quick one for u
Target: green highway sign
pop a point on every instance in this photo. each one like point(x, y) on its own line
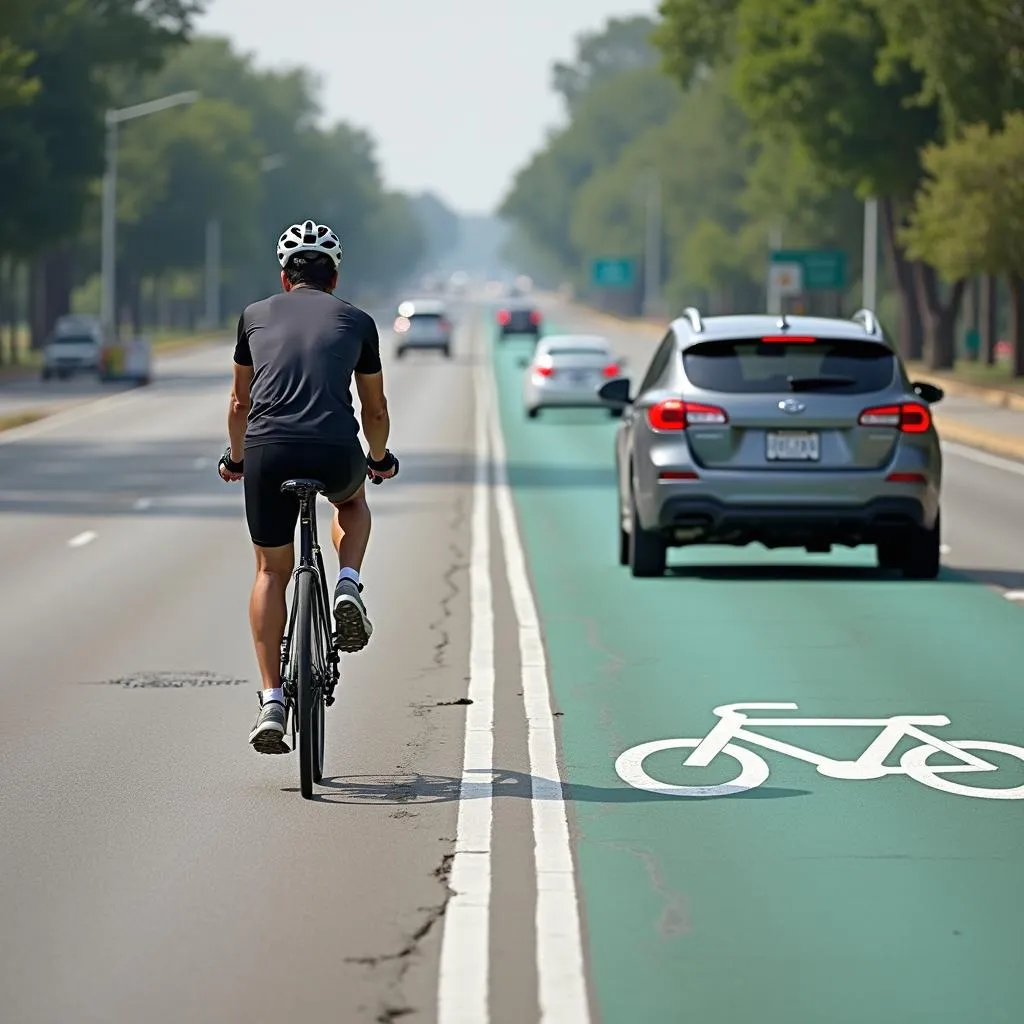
point(612, 272)
point(817, 270)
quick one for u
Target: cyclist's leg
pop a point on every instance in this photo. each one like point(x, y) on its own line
point(271, 516)
point(350, 532)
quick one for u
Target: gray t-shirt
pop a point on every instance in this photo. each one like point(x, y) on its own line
point(304, 346)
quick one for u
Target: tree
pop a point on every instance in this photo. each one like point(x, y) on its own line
point(701, 156)
point(622, 45)
point(74, 46)
point(613, 114)
point(187, 167)
point(806, 70)
point(969, 217)
point(968, 53)
point(16, 86)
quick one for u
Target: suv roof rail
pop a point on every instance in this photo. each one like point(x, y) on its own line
point(692, 313)
point(868, 320)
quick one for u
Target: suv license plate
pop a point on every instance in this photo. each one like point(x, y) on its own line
point(793, 446)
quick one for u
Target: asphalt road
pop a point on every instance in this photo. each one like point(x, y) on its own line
point(153, 868)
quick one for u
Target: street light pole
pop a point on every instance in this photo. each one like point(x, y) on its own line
point(870, 274)
point(108, 291)
point(652, 258)
point(213, 274)
point(108, 213)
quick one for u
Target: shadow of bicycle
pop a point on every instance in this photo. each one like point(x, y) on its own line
point(413, 788)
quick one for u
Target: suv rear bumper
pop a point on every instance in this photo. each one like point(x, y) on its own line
point(695, 520)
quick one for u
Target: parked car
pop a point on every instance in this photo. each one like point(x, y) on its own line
point(423, 324)
point(792, 432)
point(566, 371)
point(74, 347)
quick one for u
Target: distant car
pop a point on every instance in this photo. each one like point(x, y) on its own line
point(74, 347)
point(423, 324)
point(518, 319)
point(792, 432)
point(566, 372)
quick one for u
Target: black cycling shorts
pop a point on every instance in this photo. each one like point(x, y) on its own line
point(271, 514)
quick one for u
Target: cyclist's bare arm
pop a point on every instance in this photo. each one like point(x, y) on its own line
point(238, 410)
point(376, 423)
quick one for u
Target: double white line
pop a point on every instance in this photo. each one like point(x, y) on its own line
point(464, 977)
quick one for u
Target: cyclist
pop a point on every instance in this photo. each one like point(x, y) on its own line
point(291, 415)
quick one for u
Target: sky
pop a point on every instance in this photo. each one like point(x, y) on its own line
point(456, 92)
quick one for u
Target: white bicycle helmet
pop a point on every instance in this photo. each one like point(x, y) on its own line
point(308, 237)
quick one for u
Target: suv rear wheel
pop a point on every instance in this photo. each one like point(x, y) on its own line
point(890, 554)
point(921, 559)
point(648, 552)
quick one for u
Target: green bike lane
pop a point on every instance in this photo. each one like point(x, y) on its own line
point(808, 900)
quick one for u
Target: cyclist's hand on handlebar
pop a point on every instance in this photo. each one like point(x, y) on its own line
point(385, 469)
point(228, 469)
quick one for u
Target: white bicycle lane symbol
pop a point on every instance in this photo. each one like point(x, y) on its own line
point(735, 724)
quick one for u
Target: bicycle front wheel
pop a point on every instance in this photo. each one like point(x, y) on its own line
point(309, 740)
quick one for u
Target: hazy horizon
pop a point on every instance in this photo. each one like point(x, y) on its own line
point(456, 98)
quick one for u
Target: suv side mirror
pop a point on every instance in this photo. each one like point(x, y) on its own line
point(928, 392)
point(616, 392)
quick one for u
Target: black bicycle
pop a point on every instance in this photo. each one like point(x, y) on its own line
point(309, 656)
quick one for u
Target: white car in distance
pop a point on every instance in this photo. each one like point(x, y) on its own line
point(566, 371)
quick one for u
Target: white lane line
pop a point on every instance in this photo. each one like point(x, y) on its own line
point(560, 966)
point(81, 539)
point(975, 455)
point(142, 504)
point(1014, 595)
point(464, 984)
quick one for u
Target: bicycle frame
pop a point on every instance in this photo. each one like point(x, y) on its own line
point(311, 561)
point(870, 764)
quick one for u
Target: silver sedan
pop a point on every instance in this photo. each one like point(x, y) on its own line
point(566, 372)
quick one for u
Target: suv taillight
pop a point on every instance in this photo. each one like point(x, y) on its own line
point(675, 414)
point(534, 317)
point(908, 417)
point(503, 317)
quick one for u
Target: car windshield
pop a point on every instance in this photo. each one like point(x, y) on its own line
point(754, 366)
point(74, 339)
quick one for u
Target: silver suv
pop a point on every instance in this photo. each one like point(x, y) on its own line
point(792, 432)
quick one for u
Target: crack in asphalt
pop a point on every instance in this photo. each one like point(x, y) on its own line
point(404, 956)
point(458, 564)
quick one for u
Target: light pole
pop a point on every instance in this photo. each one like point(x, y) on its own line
point(652, 256)
point(108, 240)
point(870, 274)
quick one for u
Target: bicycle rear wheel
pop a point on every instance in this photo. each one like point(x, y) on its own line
point(310, 738)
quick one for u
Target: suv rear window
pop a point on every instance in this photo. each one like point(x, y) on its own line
point(578, 351)
point(752, 366)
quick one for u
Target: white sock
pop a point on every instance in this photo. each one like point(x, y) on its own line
point(277, 693)
point(349, 574)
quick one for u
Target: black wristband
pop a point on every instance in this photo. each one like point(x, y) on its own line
point(226, 462)
point(384, 464)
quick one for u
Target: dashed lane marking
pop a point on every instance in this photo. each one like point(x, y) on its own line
point(81, 539)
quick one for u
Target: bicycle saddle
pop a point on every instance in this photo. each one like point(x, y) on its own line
point(303, 488)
